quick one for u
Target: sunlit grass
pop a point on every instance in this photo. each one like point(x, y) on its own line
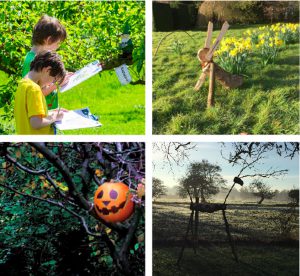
point(267, 103)
point(120, 109)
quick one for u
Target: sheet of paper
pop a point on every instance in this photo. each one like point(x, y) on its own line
point(124, 39)
point(123, 74)
point(76, 119)
point(83, 74)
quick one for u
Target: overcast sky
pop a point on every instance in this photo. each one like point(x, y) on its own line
point(212, 153)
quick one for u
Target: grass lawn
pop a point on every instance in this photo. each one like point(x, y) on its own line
point(120, 109)
point(217, 260)
point(261, 246)
point(267, 102)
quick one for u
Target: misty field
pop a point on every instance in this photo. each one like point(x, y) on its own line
point(265, 237)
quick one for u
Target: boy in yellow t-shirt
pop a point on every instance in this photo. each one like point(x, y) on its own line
point(31, 113)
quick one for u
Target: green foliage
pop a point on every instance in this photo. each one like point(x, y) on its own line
point(177, 47)
point(7, 85)
point(174, 15)
point(93, 29)
point(37, 237)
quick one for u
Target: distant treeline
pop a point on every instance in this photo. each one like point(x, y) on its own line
point(244, 194)
point(183, 15)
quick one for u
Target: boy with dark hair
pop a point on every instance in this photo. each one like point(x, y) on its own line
point(47, 35)
point(31, 112)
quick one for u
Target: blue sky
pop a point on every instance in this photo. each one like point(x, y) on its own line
point(211, 152)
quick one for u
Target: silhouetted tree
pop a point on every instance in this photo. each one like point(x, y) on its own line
point(262, 190)
point(294, 196)
point(158, 188)
point(202, 180)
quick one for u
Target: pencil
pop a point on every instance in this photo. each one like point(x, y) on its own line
point(58, 112)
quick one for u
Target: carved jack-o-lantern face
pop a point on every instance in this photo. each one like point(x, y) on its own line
point(113, 202)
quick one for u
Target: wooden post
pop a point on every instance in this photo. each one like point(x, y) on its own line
point(190, 226)
point(196, 223)
point(229, 237)
point(209, 34)
point(210, 98)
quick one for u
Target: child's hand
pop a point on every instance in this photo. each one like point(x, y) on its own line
point(67, 78)
point(58, 114)
point(48, 89)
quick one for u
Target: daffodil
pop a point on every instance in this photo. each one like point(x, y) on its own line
point(233, 52)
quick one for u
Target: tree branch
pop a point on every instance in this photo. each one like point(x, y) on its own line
point(63, 169)
point(57, 189)
point(249, 155)
point(24, 168)
point(122, 254)
point(44, 173)
point(55, 203)
point(267, 175)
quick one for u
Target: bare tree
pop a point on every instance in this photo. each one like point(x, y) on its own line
point(173, 153)
point(248, 157)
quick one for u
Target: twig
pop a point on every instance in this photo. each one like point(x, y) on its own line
point(164, 37)
point(57, 189)
point(24, 168)
point(266, 175)
point(44, 173)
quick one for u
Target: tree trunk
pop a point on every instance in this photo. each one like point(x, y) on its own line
point(261, 200)
point(202, 196)
point(196, 224)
